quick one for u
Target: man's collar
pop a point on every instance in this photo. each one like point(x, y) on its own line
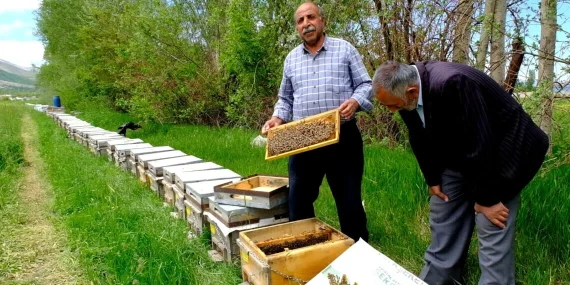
point(420, 99)
point(324, 47)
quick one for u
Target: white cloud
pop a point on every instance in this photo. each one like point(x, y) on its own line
point(18, 5)
point(22, 53)
point(6, 29)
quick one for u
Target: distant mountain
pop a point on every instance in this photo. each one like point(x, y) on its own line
point(12, 75)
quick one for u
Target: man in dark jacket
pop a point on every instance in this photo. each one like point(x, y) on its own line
point(477, 150)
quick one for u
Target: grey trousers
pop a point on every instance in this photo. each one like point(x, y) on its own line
point(452, 225)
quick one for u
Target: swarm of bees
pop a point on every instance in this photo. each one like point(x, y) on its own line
point(299, 136)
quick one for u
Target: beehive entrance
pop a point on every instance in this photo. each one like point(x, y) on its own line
point(270, 247)
point(299, 136)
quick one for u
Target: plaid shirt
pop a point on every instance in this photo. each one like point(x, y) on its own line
point(313, 84)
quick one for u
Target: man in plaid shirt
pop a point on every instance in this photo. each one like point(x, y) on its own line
point(322, 74)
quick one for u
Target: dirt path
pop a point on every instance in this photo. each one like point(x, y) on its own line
point(37, 248)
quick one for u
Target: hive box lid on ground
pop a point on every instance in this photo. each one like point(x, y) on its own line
point(181, 179)
point(200, 191)
point(378, 268)
point(255, 191)
point(135, 152)
point(170, 171)
point(156, 166)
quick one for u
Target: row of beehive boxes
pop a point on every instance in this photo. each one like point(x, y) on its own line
point(244, 215)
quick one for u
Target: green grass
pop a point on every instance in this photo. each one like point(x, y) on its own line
point(120, 229)
point(123, 233)
point(11, 161)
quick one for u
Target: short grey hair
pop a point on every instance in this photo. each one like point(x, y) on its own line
point(395, 78)
point(321, 10)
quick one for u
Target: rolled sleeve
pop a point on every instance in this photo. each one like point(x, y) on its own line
point(284, 106)
point(361, 81)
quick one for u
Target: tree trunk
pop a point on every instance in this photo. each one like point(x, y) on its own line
point(515, 65)
point(497, 65)
point(486, 28)
point(548, 29)
point(380, 9)
point(408, 45)
point(463, 20)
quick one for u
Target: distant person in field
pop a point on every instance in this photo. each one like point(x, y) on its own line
point(321, 74)
point(477, 150)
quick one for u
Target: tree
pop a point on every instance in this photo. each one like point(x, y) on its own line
point(529, 84)
point(463, 15)
point(548, 28)
point(486, 29)
point(497, 63)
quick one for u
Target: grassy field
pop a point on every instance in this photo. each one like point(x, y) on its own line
point(395, 197)
point(11, 162)
point(124, 235)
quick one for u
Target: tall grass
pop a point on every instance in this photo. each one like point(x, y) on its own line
point(395, 197)
point(11, 161)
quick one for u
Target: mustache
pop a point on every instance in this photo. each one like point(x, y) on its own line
point(308, 29)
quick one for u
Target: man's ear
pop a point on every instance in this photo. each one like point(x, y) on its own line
point(412, 93)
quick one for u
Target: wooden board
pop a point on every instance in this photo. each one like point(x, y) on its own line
point(233, 216)
point(123, 150)
point(179, 201)
point(155, 167)
point(94, 139)
point(168, 172)
point(224, 238)
point(195, 217)
point(113, 143)
point(332, 116)
point(145, 158)
point(181, 179)
point(168, 193)
point(136, 152)
point(199, 192)
point(302, 263)
point(255, 191)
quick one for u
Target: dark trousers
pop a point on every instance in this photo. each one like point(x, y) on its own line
point(343, 165)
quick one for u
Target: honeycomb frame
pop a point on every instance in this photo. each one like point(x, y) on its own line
point(329, 119)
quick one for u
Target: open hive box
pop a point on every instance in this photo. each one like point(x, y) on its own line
point(289, 252)
point(303, 135)
point(255, 191)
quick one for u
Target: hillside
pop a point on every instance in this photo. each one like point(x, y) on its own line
point(17, 70)
point(13, 76)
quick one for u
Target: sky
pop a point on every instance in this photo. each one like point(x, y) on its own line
point(18, 44)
